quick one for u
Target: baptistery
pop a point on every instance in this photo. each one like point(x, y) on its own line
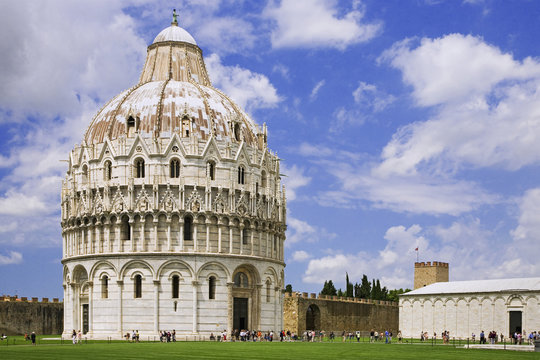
point(173, 213)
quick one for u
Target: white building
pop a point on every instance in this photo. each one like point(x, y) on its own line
point(173, 214)
point(466, 307)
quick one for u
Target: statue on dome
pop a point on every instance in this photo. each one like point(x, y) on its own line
point(174, 17)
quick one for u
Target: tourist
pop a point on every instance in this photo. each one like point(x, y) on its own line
point(482, 337)
point(79, 337)
point(376, 336)
point(33, 337)
point(386, 337)
point(371, 336)
point(400, 336)
point(74, 336)
point(473, 337)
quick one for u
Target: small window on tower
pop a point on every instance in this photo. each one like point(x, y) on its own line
point(139, 168)
point(237, 132)
point(211, 170)
point(130, 126)
point(185, 126)
point(175, 168)
point(107, 171)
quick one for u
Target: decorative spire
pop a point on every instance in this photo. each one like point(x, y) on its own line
point(174, 18)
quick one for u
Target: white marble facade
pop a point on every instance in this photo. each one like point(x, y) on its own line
point(467, 307)
point(173, 212)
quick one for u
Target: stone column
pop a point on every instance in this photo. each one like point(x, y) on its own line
point(83, 240)
point(181, 234)
point(72, 293)
point(207, 223)
point(229, 310)
point(131, 223)
point(120, 284)
point(195, 305)
point(107, 235)
point(219, 236)
point(156, 237)
point(267, 240)
point(195, 227)
point(241, 238)
point(99, 242)
point(230, 239)
point(142, 230)
point(277, 308)
point(156, 306)
point(90, 307)
point(258, 305)
point(251, 239)
point(260, 241)
point(169, 242)
point(88, 247)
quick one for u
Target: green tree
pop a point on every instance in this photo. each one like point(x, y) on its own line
point(329, 288)
point(393, 295)
point(349, 286)
point(365, 288)
point(288, 288)
point(340, 293)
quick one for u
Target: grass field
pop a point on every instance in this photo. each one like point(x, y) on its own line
point(240, 350)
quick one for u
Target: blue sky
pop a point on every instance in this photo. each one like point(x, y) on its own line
point(401, 124)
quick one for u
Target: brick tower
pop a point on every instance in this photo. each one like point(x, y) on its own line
point(429, 273)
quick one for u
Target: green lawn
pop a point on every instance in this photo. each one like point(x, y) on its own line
point(239, 350)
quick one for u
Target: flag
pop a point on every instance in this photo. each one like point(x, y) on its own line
point(416, 249)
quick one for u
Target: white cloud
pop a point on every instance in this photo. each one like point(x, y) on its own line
point(487, 114)
point(299, 231)
point(13, 258)
point(250, 90)
point(300, 256)
point(316, 24)
point(371, 98)
point(528, 228)
point(316, 89)
point(472, 252)
point(294, 179)
point(282, 70)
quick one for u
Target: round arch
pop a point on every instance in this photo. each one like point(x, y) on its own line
point(313, 317)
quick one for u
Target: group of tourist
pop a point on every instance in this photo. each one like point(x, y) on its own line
point(375, 336)
point(76, 337)
point(166, 336)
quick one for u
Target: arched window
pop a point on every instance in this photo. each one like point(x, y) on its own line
point(241, 175)
point(174, 168)
point(212, 288)
point(237, 132)
point(85, 174)
point(185, 126)
point(139, 168)
point(275, 243)
point(188, 227)
point(175, 287)
point(138, 287)
point(130, 126)
point(241, 280)
point(211, 168)
point(107, 171)
point(245, 236)
point(105, 287)
point(126, 229)
point(263, 179)
point(268, 285)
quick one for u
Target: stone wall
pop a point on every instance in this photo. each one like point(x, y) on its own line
point(338, 314)
point(23, 315)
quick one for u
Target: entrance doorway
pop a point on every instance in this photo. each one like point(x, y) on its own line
point(85, 318)
point(313, 318)
point(515, 322)
point(240, 313)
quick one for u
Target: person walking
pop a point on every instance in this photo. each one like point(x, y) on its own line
point(33, 337)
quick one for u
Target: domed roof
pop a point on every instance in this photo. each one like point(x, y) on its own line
point(174, 92)
point(174, 33)
point(159, 109)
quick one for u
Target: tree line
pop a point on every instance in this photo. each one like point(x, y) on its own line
point(364, 290)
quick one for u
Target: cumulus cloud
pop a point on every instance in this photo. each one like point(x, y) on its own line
point(317, 24)
point(487, 107)
point(472, 251)
point(14, 257)
point(299, 231)
point(300, 256)
point(248, 89)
